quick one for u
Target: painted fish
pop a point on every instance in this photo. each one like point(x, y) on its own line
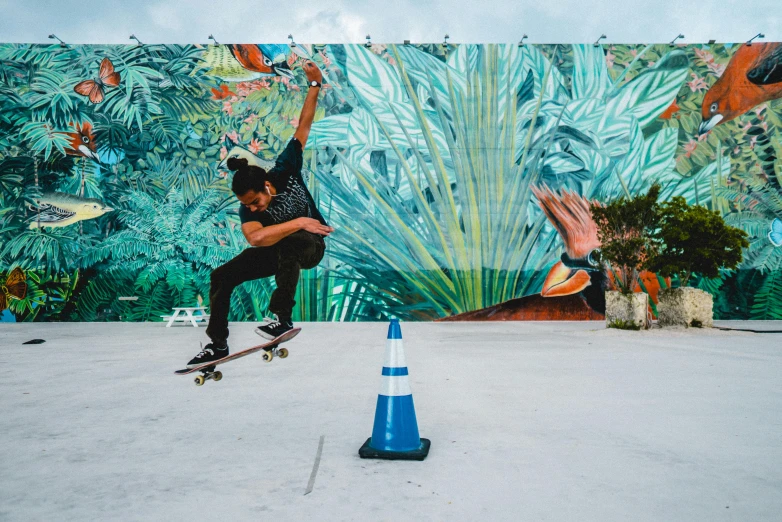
point(58, 209)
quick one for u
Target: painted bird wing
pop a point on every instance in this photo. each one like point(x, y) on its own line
point(769, 68)
point(51, 214)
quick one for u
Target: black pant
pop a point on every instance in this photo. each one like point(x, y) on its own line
point(283, 260)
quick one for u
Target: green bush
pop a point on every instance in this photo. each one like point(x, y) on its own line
point(625, 228)
point(694, 239)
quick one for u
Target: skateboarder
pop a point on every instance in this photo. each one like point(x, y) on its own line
point(282, 225)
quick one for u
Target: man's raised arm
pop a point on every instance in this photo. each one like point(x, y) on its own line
point(308, 110)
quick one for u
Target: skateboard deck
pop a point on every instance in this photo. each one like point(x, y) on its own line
point(271, 348)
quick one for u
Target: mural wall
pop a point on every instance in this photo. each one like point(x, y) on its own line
point(457, 176)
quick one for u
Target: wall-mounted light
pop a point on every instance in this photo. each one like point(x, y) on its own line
point(712, 42)
point(674, 40)
point(369, 42)
point(445, 41)
point(213, 39)
point(597, 42)
point(521, 42)
point(407, 42)
point(54, 37)
point(290, 37)
point(759, 35)
point(133, 37)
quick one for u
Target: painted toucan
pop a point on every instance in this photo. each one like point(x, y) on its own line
point(753, 76)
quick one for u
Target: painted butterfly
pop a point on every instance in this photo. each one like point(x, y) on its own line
point(775, 235)
point(94, 89)
point(15, 286)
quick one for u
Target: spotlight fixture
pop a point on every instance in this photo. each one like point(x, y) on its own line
point(133, 37)
point(213, 38)
point(445, 41)
point(759, 35)
point(407, 42)
point(369, 43)
point(290, 37)
point(598, 40)
point(54, 37)
point(521, 43)
point(712, 42)
point(674, 40)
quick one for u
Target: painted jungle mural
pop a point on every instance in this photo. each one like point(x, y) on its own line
point(458, 177)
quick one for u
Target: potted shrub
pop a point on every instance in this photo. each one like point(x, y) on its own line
point(692, 240)
point(625, 228)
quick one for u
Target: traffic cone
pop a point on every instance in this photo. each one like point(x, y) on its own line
point(395, 433)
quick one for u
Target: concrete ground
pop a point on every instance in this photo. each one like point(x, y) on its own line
point(528, 421)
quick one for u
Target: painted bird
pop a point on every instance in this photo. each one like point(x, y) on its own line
point(82, 142)
point(580, 269)
point(252, 159)
point(246, 62)
point(58, 209)
point(753, 76)
point(574, 288)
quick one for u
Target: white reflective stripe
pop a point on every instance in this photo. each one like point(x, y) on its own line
point(395, 386)
point(395, 354)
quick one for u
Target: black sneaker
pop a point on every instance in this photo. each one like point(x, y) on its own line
point(210, 352)
point(274, 329)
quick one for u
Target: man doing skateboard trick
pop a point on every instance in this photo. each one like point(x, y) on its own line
point(282, 225)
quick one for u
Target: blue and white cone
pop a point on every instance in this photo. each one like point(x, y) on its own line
point(395, 433)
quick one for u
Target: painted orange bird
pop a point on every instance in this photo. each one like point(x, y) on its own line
point(575, 286)
point(82, 142)
point(268, 59)
point(753, 76)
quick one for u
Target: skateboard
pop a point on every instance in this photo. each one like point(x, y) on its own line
point(270, 348)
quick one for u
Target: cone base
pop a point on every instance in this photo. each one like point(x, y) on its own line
point(368, 452)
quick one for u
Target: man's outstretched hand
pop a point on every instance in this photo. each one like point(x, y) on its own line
point(312, 71)
point(314, 226)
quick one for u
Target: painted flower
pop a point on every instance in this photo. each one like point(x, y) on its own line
point(378, 48)
point(252, 118)
point(717, 68)
point(223, 153)
point(326, 60)
point(295, 122)
point(690, 147)
point(255, 146)
point(233, 136)
point(704, 55)
point(228, 108)
point(697, 84)
point(610, 59)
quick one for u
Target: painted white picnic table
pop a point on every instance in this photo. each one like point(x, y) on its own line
point(184, 314)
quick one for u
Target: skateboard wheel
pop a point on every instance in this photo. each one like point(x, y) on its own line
point(199, 380)
point(283, 353)
point(217, 376)
point(268, 356)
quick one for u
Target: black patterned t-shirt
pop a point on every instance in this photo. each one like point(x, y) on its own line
point(293, 200)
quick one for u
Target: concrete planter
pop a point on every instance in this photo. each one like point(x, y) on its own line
point(685, 307)
point(626, 311)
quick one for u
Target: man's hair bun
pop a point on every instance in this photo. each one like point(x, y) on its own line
point(237, 163)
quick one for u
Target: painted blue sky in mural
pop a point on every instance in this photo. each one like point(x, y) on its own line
point(562, 21)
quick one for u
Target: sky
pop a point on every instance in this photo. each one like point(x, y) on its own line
point(420, 21)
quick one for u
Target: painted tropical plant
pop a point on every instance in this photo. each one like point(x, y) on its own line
point(425, 157)
point(431, 167)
